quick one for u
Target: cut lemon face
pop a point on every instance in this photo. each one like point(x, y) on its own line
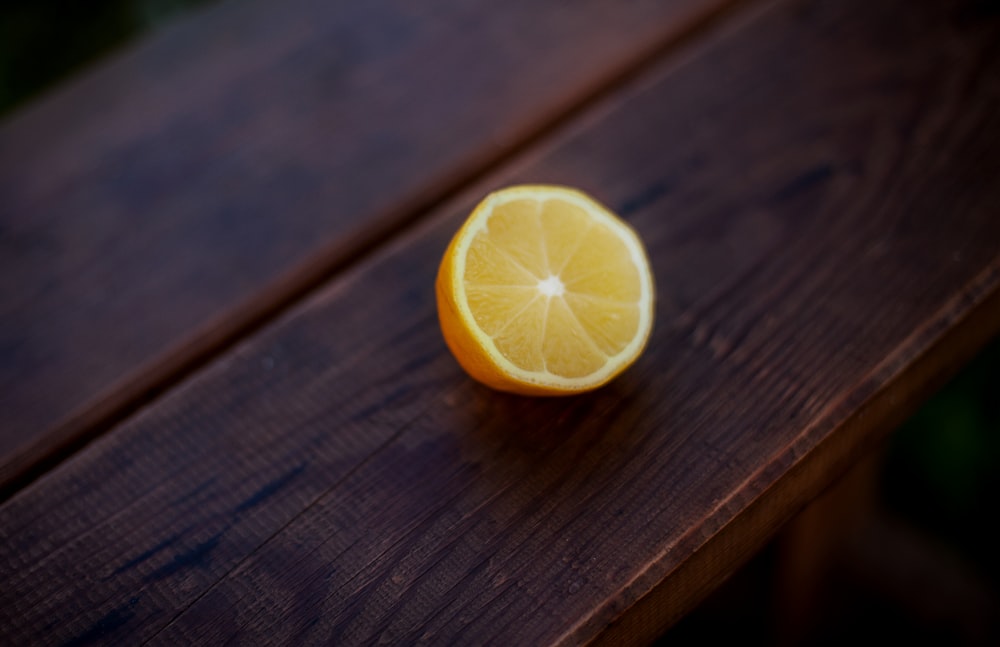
point(543, 291)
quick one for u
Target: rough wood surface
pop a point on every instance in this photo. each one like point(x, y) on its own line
point(817, 190)
point(178, 195)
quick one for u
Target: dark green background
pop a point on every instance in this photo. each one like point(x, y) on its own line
point(45, 41)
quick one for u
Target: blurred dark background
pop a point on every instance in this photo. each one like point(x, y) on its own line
point(44, 42)
point(918, 559)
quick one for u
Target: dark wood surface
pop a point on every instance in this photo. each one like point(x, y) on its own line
point(816, 185)
point(173, 199)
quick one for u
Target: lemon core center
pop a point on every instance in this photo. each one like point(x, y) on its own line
point(552, 287)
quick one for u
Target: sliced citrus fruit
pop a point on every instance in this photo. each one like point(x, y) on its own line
point(543, 291)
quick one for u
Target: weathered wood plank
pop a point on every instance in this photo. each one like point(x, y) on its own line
point(179, 195)
point(817, 191)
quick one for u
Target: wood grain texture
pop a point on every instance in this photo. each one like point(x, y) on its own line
point(171, 200)
point(817, 193)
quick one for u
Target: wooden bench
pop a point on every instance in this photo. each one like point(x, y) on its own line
point(227, 411)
